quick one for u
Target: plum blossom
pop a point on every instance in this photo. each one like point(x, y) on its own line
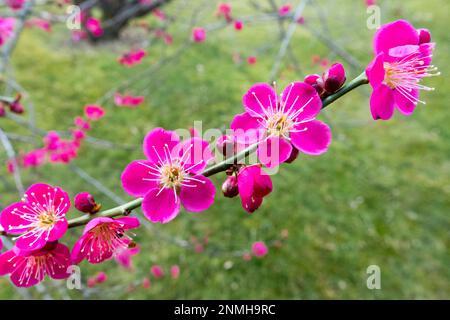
point(15, 4)
point(198, 34)
point(175, 271)
point(224, 10)
point(170, 176)
point(251, 60)
point(402, 59)
point(259, 249)
point(28, 268)
point(123, 256)
point(94, 112)
point(85, 202)
point(127, 100)
point(6, 29)
point(253, 185)
point(284, 10)
point(280, 124)
point(157, 271)
point(39, 218)
point(94, 26)
point(132, 58)
point(238, 25)
point(102, 238)
point(40, 24)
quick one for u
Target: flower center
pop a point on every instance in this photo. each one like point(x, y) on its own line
point(47, 219)
point(172, 175)
point(279, 124)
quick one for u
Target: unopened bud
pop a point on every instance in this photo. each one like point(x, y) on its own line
point(85, 202)
point(334, 78)
point(315, 81)
point(424, 36)
point(230, 187)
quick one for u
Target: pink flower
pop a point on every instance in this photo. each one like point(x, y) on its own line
point(175, 271)
point(101, 277)
point(39, 218)
point(157, 271)
point(132, 58)
point(81, 123)
point(34, 158)
point(401, 62)
point(27, 268)
point(127, 101)
point(146, 283)
point(251, 60)
point(6, 29)
point(198, 34)
point(102, 238)
point(85, 202)
point(238, 25)
point(259, 249)
point(123, 256)
point(94, 112)
point(170, 176)
point(78, 135)
point(94, 26)
point(224, 10)
point(279, 124)
point(284, 10)
point(15, 4)
point(370, 2)
point(159, 14)
point(253, 185)
point(40, 24)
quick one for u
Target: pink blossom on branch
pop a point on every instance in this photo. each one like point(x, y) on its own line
point(94, 26)
point(157, 271)
point(94, 112)
point(170, 176)
point(132, 58)
point(401, 62)
point(127, 100)
point(198, 34)
point(259, 249)
point(123, 256)
point(28, 268)
point(39, 218)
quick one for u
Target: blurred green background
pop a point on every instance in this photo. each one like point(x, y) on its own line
point(380, 195)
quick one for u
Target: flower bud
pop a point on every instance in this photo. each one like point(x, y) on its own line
point(16, 107)
point(315, 81)
point(85, 202)
point(424, 36)
point(334, 78)
point(230, 187)
point(101, 277)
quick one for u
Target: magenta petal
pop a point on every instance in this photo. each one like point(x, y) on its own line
point(259, 97)
point(59, 262)
point(31, 242)
point(76, 256)
point(194, 154)
point(43, 193)
point(58, 230)
point(135, 178)
point(11, 222)
point(382, 103)
point(8, 262)
point(273, 151)
point(197, 195)
point(246, 181)
point(314, 140)
point(161, 205)
point(299, 95)
point(375, 71)
point(394, 34)
point(250, 204)
point(155, 142)
point(128, 222)
point(246, 129)
point(406, 104)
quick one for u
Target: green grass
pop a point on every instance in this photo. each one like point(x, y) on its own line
point(379, 196)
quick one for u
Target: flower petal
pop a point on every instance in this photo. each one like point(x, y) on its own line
point(394, 34)
point(11, 221)
point(195, 154)
point(301, 99)
point(375, 71)
point(314, 140)
point(139, 177)
point(161, 205)
point(58, 263)
point(155, 142)
point(128, 222)
point(405, 101)
point(46, 195)
point(246, 128)
point(259, 97)
point(197, 195)
point(273, 151)
point(382, 103)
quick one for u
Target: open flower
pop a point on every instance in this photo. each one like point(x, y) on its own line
point(127, 100)
point(131, 58)
point(28, 268)
point(277, 124)
point(39, 218)
point(259, 249)
point(402, 59)
point(94, 26)
point(102, 238)
point(170, 176)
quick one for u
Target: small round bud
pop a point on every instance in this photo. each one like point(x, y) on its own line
point(424, 36)
point(315, 81)
point(334, 78)
point(16, 107)
point(230, 187)
point(85, 202)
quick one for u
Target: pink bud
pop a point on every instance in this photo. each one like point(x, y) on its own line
point(146, 283)
point(238, 25)
point(424, 36)
point(315, 81)
point(251, 60)
point(230, 187)
point(259, 249)
point(175, 271)
point(198, 34)
point(16, 107)
point(101, 277)
point(157, 271)
point(85, 202)
point(91, 282)
point(334, 78)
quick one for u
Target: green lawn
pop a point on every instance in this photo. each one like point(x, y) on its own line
point(381, 195)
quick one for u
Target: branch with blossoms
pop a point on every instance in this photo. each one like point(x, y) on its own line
point(175, 173)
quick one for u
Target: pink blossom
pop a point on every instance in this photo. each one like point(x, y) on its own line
point(159, 14)
point(34, 158)
point(85, 202)
point(2, 111)
point(198, 34)
point(157, 271)
point(253, 185)
point(101, 277)
point(94, 26)
point(175, 271)
point(102, 238)
point(284, 10)
point(301, 20)
point(224, 10)
point(251, 60)
point(279, 124)
point(39, 218)
point(94, 112)
point(400, 63)
point(132, 58)
point(15, 4)
point(259, 249)
point(123, 256)
point(28, 268)
point(238, 25)
point(78, 135)
point(40, 24)
point(334, 78)
point(81, 123)
point(91, 282)
point(370, 2)
point(146, 283)
point(170, 176)
point(127, 101)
